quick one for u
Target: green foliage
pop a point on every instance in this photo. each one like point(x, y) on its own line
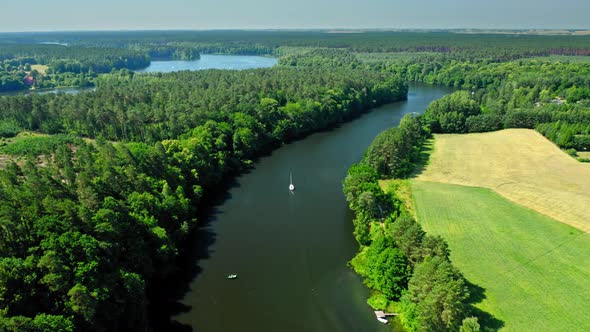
point(386, 267)
point(394, 151)
point(397, 258)
point(366, 199)
point(9, 128)
point(151, 108)
point(551, 97)
point(68, 65)
point(470, 324)
point(321, 58)
point(567, 136)
point(378, 301)
point(483, 123)
point(572, 152)
point(38, 144)
point(436, 296)
point(525, 119)
point(448, 114)
point(84, 233)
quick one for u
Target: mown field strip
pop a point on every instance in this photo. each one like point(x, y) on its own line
point(520, 165)
point(535, 271)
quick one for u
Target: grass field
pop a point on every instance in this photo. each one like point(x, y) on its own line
point(42, 69)
point(535, 271)
point(519, 164)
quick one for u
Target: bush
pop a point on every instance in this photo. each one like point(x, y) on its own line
point(572, 152)
point(470, 325)
point(582, 142)
point(378, 301)
point(9, 128)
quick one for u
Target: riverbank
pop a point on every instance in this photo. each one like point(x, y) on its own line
point(309, 233)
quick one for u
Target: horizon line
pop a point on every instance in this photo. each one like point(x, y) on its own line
point(321, 29)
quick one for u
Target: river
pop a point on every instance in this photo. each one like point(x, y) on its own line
point(290, 250)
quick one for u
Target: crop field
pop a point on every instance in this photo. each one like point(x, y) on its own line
point(519, 164)
point(534, 270)
point(42, 69)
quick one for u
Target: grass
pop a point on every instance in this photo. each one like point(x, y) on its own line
point(535, 271)
point(583, 156)
point(519, 164)
point(29, 143)
point(42, 69)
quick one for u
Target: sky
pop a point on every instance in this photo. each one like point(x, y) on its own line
point(51, 15)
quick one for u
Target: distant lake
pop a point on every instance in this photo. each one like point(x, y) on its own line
point(209, 61)
point(53, 43)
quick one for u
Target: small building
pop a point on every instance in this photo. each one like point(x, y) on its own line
point(29, 80)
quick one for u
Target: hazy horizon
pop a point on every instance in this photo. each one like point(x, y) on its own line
point(116, 15)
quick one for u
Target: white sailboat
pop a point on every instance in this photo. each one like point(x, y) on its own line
point(291, 185)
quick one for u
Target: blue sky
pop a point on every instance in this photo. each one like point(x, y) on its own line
point(42, 15)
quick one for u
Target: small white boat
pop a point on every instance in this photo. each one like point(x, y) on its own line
point(382, 320)
point(232, 276)
point(291, 185)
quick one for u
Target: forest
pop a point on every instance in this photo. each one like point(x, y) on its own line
point(89, 225)
point(99, 190)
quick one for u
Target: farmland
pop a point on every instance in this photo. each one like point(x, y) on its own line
point(533, 269)
point(520, 165)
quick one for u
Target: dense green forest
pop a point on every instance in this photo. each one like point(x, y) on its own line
point(89, 53)
point(99, 190)
point(266, 42)
point(66, 65)
point(89, 225)
point(552, 97)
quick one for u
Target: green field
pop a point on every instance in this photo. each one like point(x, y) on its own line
point(535, 270)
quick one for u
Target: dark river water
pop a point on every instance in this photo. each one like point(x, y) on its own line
point(290, 250)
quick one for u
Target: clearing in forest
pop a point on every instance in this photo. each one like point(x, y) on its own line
point(519, 164)
point(533, 270)
point(41, 69)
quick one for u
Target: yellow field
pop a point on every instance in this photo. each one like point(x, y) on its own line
point(519, 164)
point(42, 69)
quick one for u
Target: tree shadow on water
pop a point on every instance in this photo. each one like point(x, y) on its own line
point(487, 321)
point(166, 294)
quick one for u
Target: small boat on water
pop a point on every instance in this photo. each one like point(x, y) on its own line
point(232, 276)
point(382, 320)
point(291, 185)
